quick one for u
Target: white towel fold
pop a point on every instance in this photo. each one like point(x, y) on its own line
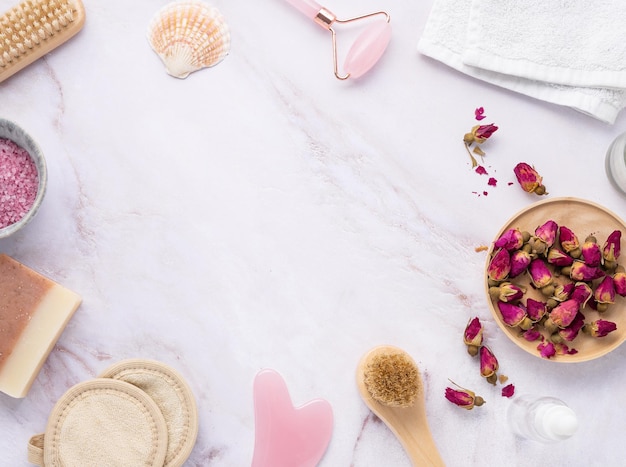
point(543, 49)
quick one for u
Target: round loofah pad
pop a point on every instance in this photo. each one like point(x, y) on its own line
point(172, 395)
point(105, 422)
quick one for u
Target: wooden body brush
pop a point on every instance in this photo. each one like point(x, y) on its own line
point(33, 28)
point(390, 385)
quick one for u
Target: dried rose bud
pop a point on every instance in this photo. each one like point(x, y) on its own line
point(569, 240)
point(559, 258)
point(570, 332)
point(499, 266)
point(473, 336)
point(547, 232)
point(520, 260)
point(563, 291)
point(532, 335)
point(514, 315)
point(564, 313)
point(529, 179)
point(483, 132)
point(619, 280)
point(599, 328)
point(580, 271)
point(591, 254)
point(539, 273)
point(605, 291)
point(464, 398)
point(488, 365)
point(582, 293)
point(535, 309)
point(508, 390)
point(611, 249)
point(512, 240)
point(546, 350)
point(509, 292)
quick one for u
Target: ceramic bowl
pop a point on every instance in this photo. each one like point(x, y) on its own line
point(12, 131)
point(583, 218)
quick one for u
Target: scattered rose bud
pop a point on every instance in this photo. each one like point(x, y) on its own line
point(464, 398)
point(563, 291)
point(478, 135)
point(559, 258)
point(564, 313)
point(570, 332)
point(539, 273)
point(591, 254)
point(512, 240)
point(514, 315)
point(508, 390)
point(488, 365)
point(611, 249)
point(569, 240)
point(520, 260)
point(529, 179)
point(508, 292)
point(499, 266)
point(547, 233)
point(582, 293)
point(599, 328)
point(473, 336)
point(605, 291)
point(580, 271)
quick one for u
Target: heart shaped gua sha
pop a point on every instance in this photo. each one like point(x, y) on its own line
point(288, 436)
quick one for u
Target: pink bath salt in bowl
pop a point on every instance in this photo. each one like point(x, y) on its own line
point(23, 178)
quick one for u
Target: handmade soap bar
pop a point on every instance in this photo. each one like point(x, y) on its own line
point(33, 313)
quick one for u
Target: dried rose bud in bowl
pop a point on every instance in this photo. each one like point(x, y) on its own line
point(560, 292)
point(23, 178)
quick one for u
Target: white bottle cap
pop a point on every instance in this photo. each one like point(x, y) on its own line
point(559, 422)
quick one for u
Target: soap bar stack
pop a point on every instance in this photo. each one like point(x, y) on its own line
point(34, 310)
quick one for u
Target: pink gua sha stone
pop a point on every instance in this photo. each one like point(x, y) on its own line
point(288, 436)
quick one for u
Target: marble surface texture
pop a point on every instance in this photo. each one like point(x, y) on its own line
point(263, 214)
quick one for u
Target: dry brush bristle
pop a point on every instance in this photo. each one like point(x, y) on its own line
point(393, 379)
point(30, 24)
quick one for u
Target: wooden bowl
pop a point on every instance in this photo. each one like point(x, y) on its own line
point(583, 218)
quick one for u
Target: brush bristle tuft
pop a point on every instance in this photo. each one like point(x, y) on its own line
point(393, 379)
point(30, 24)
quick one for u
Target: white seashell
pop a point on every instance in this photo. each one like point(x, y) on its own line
point(189, 35)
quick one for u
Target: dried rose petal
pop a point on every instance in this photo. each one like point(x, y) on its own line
point(520, 260)
point(591, 254)
point(532, 335)
point(512, 239)
point(529, 179)
point(535, 309)
point(570, 332)
point(513, 315)
point(619, 280)
point(508, 390)
point(539, 273)
point(546, 350)
point(499, 266)
point(611, 249)
point(569, 240)
point(600, 328)
point(559, 258)
point(479, 113)
point(464, 398)
point(563, 349)
point(473, 335)
point(605, 291)
point(580, 271)
point(488, 364)
point(480, 170)
point(564, 313)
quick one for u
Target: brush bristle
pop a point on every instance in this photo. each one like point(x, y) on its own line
point(30, 24)
point(393, 379)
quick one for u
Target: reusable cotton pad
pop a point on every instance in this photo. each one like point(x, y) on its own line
point(137, 413)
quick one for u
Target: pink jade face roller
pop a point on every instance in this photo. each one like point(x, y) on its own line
point(367, 48)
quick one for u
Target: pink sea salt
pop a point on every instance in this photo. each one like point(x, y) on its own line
point(19, 181)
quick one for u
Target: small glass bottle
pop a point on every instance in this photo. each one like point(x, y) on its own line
point(615, 163)
point(545, 419)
